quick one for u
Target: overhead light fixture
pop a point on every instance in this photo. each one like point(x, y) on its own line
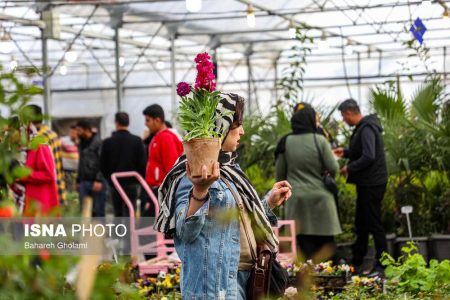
point(323, 43)
point(426, 3)
point(71, 56)
point(193, 5)
point(349, 48)
point(251, 19)
point(121, 61)
point(13, 64)
point(5, 43)
point(292, 30)
point(160, 65)
point(446, 14)
point(63, 69)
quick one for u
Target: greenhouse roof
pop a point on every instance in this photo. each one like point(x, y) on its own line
point(355, 42)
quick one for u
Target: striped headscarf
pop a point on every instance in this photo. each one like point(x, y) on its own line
point(165, 221)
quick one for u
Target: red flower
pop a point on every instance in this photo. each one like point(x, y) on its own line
point(201, 57)
point(183, 88)
point(44, 254)
point(205, 76)
point(6, 212)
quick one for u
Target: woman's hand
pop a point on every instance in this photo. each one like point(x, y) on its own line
point(281, 191)
point(202, 184)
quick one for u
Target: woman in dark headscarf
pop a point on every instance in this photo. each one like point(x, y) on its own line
point(200, 213)
point(301, 158)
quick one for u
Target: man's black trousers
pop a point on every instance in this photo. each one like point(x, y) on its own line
point(368, 221)
point(120, 208)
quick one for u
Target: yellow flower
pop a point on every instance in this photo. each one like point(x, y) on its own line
point(167, 282)
point(356, 280)
point(329, 269)
point(144, 291)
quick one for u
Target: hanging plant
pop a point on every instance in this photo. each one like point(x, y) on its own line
point(291, 82)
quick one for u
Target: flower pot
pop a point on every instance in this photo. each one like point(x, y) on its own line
point(202, 151)
point(390, 239)
point(300, 280)
point(421, 244)
point(332, 283)
point(440, 246)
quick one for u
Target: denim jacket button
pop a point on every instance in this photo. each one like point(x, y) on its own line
point(232, 273)
point(220, 195)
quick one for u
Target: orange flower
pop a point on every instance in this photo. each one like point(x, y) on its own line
point(44, 254)
point(6, 212)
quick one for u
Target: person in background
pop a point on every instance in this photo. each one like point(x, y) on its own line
point(123, 152)
point(37, 193)
point(366, 169)
point(54, 142)
point(163, 151)
point(148, 136)
point(90, 178)
point(301, 158)
point(70, 157)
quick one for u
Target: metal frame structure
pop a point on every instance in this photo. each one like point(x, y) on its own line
point(149, 33)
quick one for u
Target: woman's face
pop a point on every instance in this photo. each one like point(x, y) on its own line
point(232, 140)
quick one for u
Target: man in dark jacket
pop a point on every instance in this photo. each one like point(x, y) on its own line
point(366, 169)
point(123, 152)
point(90, 178)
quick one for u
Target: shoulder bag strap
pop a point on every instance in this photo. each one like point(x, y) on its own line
point(237, 198)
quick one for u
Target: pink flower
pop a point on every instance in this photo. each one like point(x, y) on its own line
point(205, 76)
point(201, 57)
point(183, 88)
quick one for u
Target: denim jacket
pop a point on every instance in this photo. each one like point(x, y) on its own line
point(208, 245)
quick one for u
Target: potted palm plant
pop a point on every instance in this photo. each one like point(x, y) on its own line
point(197, 117)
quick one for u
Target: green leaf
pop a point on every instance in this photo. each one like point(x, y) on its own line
point(21, 172)
point(36, 141)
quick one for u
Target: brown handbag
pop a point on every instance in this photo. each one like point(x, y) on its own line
point(258, 284)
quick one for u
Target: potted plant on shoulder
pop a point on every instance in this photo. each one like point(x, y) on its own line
point(197, 117)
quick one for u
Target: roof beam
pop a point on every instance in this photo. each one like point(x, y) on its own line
point(292, 19)
point(84, 33)
point(181, 34)
point(275, 12)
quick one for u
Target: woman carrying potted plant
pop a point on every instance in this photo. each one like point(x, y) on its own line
point(201, 211)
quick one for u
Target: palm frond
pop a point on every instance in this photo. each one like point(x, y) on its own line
point(424, 105)
point(387, 104)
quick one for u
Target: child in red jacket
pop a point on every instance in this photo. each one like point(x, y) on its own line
point(37, 193)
